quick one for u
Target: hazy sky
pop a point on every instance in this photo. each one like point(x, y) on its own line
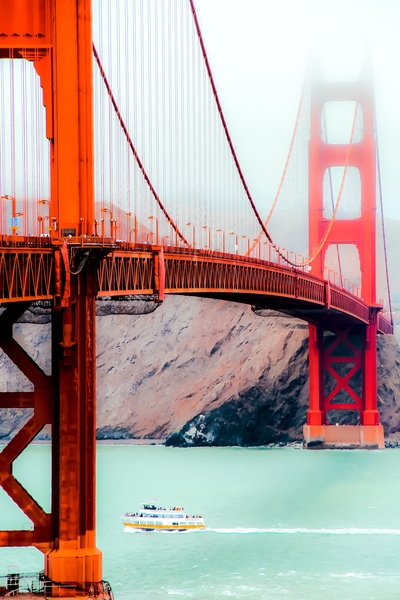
point(259, 50)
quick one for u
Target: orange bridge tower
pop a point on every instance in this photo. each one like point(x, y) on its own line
point(56, 35)
point(342, 361)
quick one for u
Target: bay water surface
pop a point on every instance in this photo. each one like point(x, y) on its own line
point(282, 523)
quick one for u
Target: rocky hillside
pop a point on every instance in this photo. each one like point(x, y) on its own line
point(208, 371)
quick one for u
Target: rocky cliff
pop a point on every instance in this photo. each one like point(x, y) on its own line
point(197, 371)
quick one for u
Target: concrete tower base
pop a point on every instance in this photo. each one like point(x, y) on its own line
point(343, 436)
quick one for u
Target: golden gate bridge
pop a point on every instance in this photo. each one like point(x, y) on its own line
point(119, 177)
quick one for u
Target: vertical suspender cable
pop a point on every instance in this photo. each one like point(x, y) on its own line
point(12, 141)
point(134, 152)
point(224, 124)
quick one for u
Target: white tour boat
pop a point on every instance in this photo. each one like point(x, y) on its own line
point(153, 518)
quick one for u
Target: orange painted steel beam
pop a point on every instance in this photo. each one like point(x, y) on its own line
point(56, 36)
point(41, 401)
point(26, 503)
point(17, 400)
point(16, 538)
point(314, 413)
point(126, 273)
point(370, 414)
point(72, 152)
point(26, 274)
point(74, 556)
point(350, 355)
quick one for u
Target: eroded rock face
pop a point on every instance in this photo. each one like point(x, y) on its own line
point(189, 356)
point(388, 360)
point(272, 410)
point(210, 372)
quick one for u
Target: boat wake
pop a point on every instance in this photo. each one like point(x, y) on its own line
point(303, 530)
point(162, 531)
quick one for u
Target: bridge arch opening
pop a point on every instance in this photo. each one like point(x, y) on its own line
point(350, 200)
point(342, 266)
point(337, 121)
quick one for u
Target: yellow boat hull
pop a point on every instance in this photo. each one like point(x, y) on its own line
point(144, 527)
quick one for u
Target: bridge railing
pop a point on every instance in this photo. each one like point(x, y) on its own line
point(25, 241)
point(346, 302)
point(384, 324)
point(216, 271)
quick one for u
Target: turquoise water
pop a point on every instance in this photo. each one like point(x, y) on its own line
point(282, 523)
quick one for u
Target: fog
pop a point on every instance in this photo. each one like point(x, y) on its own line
point(259, 50)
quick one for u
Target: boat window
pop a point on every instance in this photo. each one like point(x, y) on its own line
point(135, 522)
point(158, 522)
point(182, 523)
point(150, 522)
point(199, 523)
point(191, 522)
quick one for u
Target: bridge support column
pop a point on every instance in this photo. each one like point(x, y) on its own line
point(314, 413)
point(370, 415)
point(343, 389)
point(74, 558)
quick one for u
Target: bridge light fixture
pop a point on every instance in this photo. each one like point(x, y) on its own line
point(245, 237)
point(193, 233)
point(135, 227)
point(13, 211)
point(109, 211)
point(208, 229)
point(236, 241)
point(153, 218)
point(223, 239)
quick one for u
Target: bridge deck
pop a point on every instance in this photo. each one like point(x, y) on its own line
point(34, 269)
